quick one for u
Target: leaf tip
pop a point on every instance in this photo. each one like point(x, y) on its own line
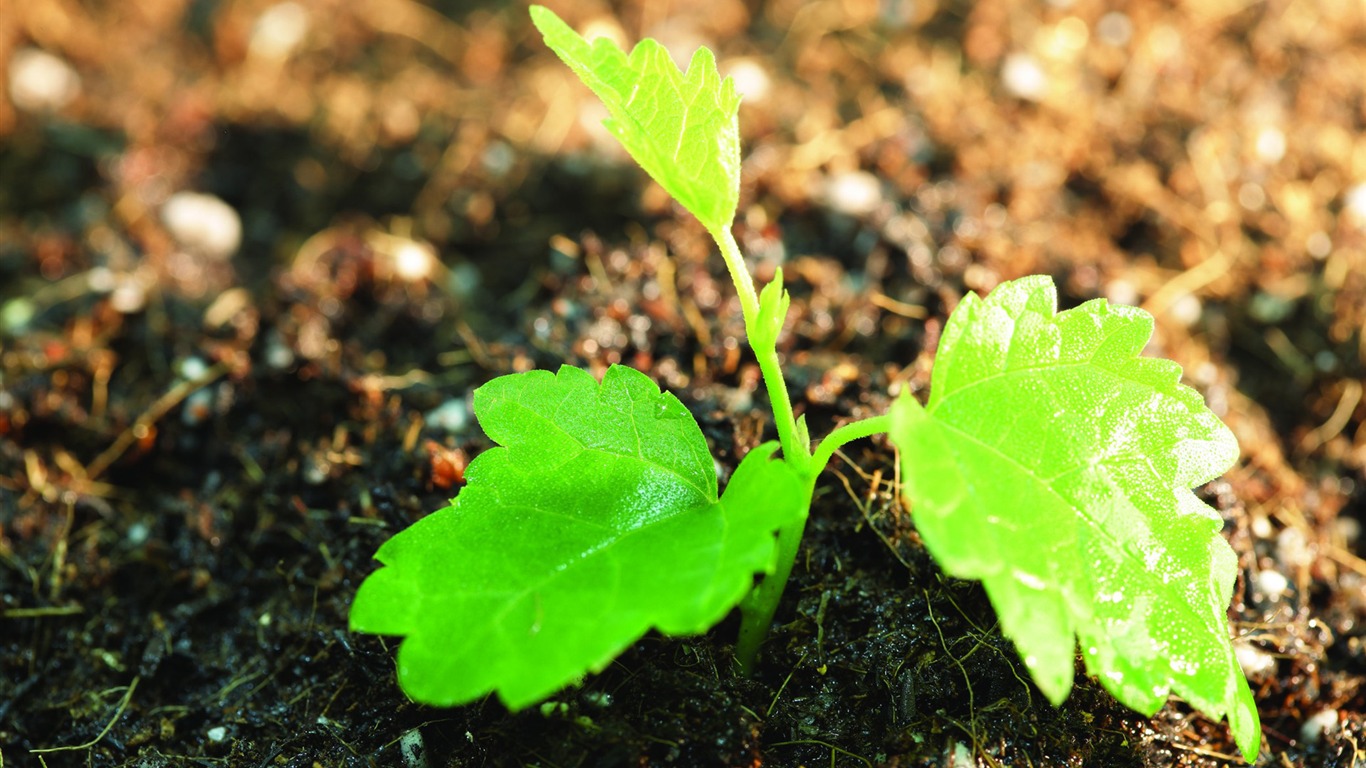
point(547, 21)
point(1245, 723)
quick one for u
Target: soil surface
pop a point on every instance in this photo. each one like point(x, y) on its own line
point(254, 257)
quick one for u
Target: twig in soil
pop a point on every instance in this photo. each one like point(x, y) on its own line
point(833, 749)
point(1290, 355)
point(1342, 414)
point(1206, 752)
point(59, 549)
point(143, 424)
point(981, 641)
point(127, 696)
point(890, 304)
point(1188, 282)
point(865, 505)
point(478, 352)
point(37, 613)
point(786, 680)
point(972, 705)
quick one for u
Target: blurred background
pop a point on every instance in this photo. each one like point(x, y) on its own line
point(1168, 154)
point(275, 243)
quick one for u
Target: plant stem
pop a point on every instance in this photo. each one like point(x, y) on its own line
point(739, 274)
point(794, 452)
point(758, 608)
point(847, 433)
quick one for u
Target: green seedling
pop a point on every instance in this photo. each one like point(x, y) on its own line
point(1052, 462)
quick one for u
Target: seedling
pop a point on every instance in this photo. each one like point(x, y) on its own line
point(1052, 463)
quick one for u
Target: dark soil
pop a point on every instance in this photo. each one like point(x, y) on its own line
point(201, 449)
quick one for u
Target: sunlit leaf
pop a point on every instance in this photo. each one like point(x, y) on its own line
point(1056, 465)
point(681, 128)
point(596, 521)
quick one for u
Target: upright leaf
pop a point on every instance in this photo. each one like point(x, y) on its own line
point(681, 128)
point(1055, 465)
point(597, 520)
point(773, 306)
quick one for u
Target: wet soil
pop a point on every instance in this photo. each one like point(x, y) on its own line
point(202, 447)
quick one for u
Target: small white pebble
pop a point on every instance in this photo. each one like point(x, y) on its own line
point(278, 355)
point(314, 472)
point(1261, 527)
point(1271, 584)
point(413, 261)
point(1354, 204)
point(1023, 77)
point(17, 313)
point(101, 279)
point(1270, 146)
point(1318, 725)
point(203, 223)
point(1186, 310)
point(278, 31)
point(1292, 549)
point(853, 193)
point(192, 368)
point(41, 82)
point(413, 749)
point(217, 733)
point(452, 416)
point(1256, 663)
point(138, 533)
point(129, 295)
point(751, 79)
point(1122, 292)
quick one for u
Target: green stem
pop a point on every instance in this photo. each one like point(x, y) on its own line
point(848, 433)
point(794, 451)
point(758, 608)
point(739, 274)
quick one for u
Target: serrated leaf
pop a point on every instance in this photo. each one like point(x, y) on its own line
point(597, 520)
point(681, 128)
point(1056, 465)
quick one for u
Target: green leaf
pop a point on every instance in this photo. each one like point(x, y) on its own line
point(681, 128)
point(773, 306)
point(597, 520)
point(1055, 465)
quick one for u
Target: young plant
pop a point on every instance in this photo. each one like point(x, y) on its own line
point(1052, 463)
